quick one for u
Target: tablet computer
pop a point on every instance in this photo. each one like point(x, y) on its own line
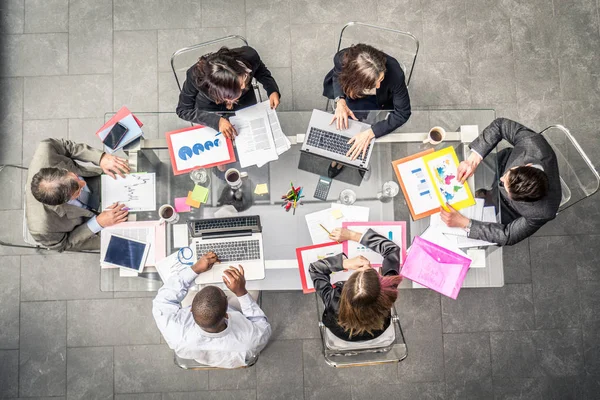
point(126, 253)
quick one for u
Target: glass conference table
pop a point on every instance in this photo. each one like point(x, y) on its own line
point(283, 231)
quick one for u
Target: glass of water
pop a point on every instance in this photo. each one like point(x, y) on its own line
point(347, 197)
point(389, 190)
point(199, 176)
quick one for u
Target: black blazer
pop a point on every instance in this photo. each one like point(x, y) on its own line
point(195, 105)
point(320, 271)
point(529, 147)
point(391, 95)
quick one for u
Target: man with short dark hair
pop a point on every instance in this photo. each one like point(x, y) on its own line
point(61, 209)
point(529, 184)
point(209, 331)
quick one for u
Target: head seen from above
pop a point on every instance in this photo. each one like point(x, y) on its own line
point(222, 76)
point(525, 183)
point(56, 186)
point(366, 300)
point(363, 69)
point(209, 309)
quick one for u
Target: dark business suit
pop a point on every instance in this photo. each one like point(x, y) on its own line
point(391, 95)
point(524, 218)
point(196, 106)
point(320, 271)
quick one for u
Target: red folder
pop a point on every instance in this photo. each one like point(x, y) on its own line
point(122, 113)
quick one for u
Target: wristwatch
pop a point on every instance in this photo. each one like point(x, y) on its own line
point(468, 227)
point(339, 98)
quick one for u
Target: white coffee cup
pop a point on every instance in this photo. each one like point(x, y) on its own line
point(233, 177)
point(167, 213)
point(436, 135)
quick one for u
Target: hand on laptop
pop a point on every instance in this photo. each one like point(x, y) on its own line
point(235, 281)
point(360, 143)
point(205, 262)
point(342, 112)
point(113, 215)
point(112, 164)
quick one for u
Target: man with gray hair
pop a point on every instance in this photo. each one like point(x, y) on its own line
point(61, 209)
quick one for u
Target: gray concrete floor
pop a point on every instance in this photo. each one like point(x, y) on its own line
point(66, 63)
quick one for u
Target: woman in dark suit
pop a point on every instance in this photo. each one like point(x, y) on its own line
point(358, 309)
point(222, 81)
point(364, 78)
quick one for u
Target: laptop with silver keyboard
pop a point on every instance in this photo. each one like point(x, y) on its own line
point(325, 140)
point(235, 240)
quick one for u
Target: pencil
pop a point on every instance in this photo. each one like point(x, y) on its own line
point(325, 229)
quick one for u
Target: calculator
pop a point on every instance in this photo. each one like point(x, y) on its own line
point(322, 188)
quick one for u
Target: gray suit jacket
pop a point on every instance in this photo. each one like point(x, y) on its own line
point(528, 147)
point(62, 227)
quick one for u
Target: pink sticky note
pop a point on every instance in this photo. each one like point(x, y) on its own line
point(180, 205)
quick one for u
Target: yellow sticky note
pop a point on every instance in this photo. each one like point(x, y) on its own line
point(200, 194)
point(261, 188)
point(191, 202)
point(337, 213)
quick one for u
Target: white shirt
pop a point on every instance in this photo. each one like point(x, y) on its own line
point(247, 332)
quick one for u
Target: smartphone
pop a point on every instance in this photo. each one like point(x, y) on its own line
point(116, 134)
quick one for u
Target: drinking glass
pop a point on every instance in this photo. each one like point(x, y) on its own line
point(347, 197)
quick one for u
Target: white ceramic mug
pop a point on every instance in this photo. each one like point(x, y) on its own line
point(436, 135)
point(167, 213)
point(233, 177)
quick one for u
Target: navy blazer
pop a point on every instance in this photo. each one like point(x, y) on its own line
point(322, 269)
point(391, 95)
point(196, 106)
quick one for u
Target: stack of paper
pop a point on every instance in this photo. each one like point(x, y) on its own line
point(260, 137)
point(125, 117)
point(330, 218)
point(197, 196)
point(137, 191)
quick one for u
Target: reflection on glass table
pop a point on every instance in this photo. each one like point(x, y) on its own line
point(283, 231)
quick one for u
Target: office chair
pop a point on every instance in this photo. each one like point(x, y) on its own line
point(403, 46)
point(578, 177)
point(390, 347)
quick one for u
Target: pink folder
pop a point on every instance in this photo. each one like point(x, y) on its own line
point(435, 267)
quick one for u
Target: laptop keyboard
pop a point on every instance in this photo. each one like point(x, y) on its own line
point(330, 141)
point(231, 251)
point(220, 223)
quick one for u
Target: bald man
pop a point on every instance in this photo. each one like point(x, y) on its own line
point(210, 331)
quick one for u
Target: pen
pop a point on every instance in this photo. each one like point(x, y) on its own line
point(325, 229)
point(218, 133)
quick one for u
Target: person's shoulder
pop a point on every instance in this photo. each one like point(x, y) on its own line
point(394, 66)
point(247, 53)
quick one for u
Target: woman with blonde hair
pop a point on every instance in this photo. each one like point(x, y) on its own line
point(363, 79)
point(360, 308)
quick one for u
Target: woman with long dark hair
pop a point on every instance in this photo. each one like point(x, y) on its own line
point(364, 78)
point(360, 308)
point(222, 81)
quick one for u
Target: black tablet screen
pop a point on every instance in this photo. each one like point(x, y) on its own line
point(125, 253)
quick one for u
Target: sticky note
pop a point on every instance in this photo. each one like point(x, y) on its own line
point(191, 202)
point(261, 188)
point(200, 194)
point(180, 204)
point(336, 213)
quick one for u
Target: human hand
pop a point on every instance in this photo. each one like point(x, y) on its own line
point(234, 279)
point(342, 112)
point(453, 218)
point(342, 234)
point(111, 164)
point(467, 168)
point(113, 215)
point(274, 100)
point(360, 142)
point(356, 262)
point(205, 262)
point(227, 129)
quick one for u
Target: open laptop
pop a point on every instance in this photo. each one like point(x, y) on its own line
point(326, 141)
point(235, 240)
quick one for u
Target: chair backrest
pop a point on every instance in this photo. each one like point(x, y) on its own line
point(184, 58)
point(403, 46)
point(579, 178)
point(390, 347)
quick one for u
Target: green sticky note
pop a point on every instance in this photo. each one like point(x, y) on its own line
point(200, 193)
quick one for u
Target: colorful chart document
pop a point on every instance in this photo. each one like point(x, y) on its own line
point(394, 231)
point(428, 181)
